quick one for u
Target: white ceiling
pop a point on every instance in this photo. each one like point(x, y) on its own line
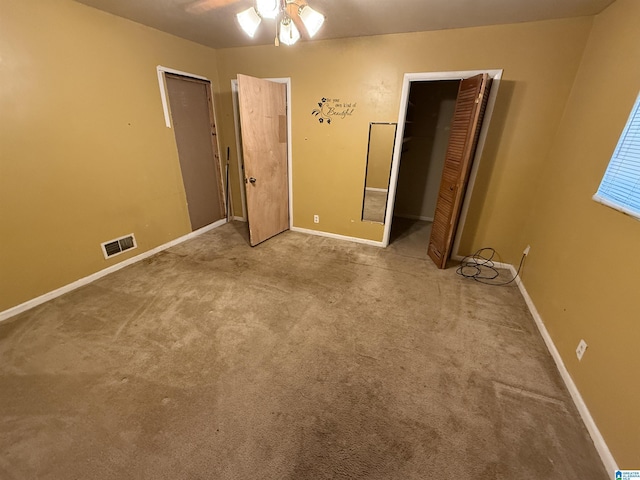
point(212, 22)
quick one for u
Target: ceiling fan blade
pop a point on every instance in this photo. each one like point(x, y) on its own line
point(299, 25)
point(292, 11)
point(203, 6)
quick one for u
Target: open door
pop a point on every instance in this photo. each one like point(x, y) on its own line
point(465, 130)
point(263, 121)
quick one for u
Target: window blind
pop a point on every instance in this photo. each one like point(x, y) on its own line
point(620, 186)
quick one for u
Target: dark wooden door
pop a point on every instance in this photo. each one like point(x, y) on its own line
point(465, 129)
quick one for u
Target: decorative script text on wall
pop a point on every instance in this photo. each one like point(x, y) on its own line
point(332, 108)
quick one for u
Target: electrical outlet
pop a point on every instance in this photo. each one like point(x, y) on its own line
point(316, 219)
point(582, 346)
point(526, 250)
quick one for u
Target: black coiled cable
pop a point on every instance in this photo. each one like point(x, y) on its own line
point(481, 267)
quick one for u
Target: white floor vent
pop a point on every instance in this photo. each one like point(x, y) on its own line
point(118, 246)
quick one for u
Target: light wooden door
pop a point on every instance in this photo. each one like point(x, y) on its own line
point(465, 129)
point(263, 121)
point(194, 129)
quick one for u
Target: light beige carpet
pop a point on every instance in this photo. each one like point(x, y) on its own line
point(302, 358)
point(409, 237)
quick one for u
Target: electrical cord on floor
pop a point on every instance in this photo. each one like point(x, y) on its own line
point(481, 267)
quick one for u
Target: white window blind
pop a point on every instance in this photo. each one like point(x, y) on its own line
point(620, 186)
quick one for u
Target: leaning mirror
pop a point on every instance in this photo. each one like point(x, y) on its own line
point(382, 138)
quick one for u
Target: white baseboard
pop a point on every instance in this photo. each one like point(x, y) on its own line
point(239, 219)
point(320, 233)
point(413, 217)
point(34, 302)
point(598, 440)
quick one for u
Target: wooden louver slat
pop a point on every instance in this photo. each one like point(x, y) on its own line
point(465, 130)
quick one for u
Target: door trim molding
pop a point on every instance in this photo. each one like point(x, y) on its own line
point(236, 122)
point(496, 75)
point(239, 155)
point(163, 88)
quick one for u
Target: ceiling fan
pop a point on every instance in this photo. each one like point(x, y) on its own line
point(291, 17)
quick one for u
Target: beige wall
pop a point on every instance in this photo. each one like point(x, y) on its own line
point(539, 61)
point(583, 266)
point(85, 156)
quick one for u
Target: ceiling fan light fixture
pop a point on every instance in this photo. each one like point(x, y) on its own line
point(249, 21)
point(287, 30)
point(289, 34)
point(268, 8)
point(311, 19)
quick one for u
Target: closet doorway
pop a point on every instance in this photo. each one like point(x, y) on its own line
point(423, 147)
point(430, 110)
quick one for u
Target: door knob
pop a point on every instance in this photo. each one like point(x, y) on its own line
point(252, 180)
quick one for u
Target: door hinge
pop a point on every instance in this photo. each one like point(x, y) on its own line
point(479, 97)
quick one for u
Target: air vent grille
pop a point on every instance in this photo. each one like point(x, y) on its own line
point(119, 245)
point(126, 243)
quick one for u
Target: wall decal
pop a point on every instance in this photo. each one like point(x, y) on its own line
point(332, 108)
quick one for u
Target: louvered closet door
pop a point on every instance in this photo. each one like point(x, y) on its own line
point(465, 129)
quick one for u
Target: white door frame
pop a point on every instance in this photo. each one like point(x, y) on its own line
point(163, 91)
point(402, 115)
point(236, 121)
